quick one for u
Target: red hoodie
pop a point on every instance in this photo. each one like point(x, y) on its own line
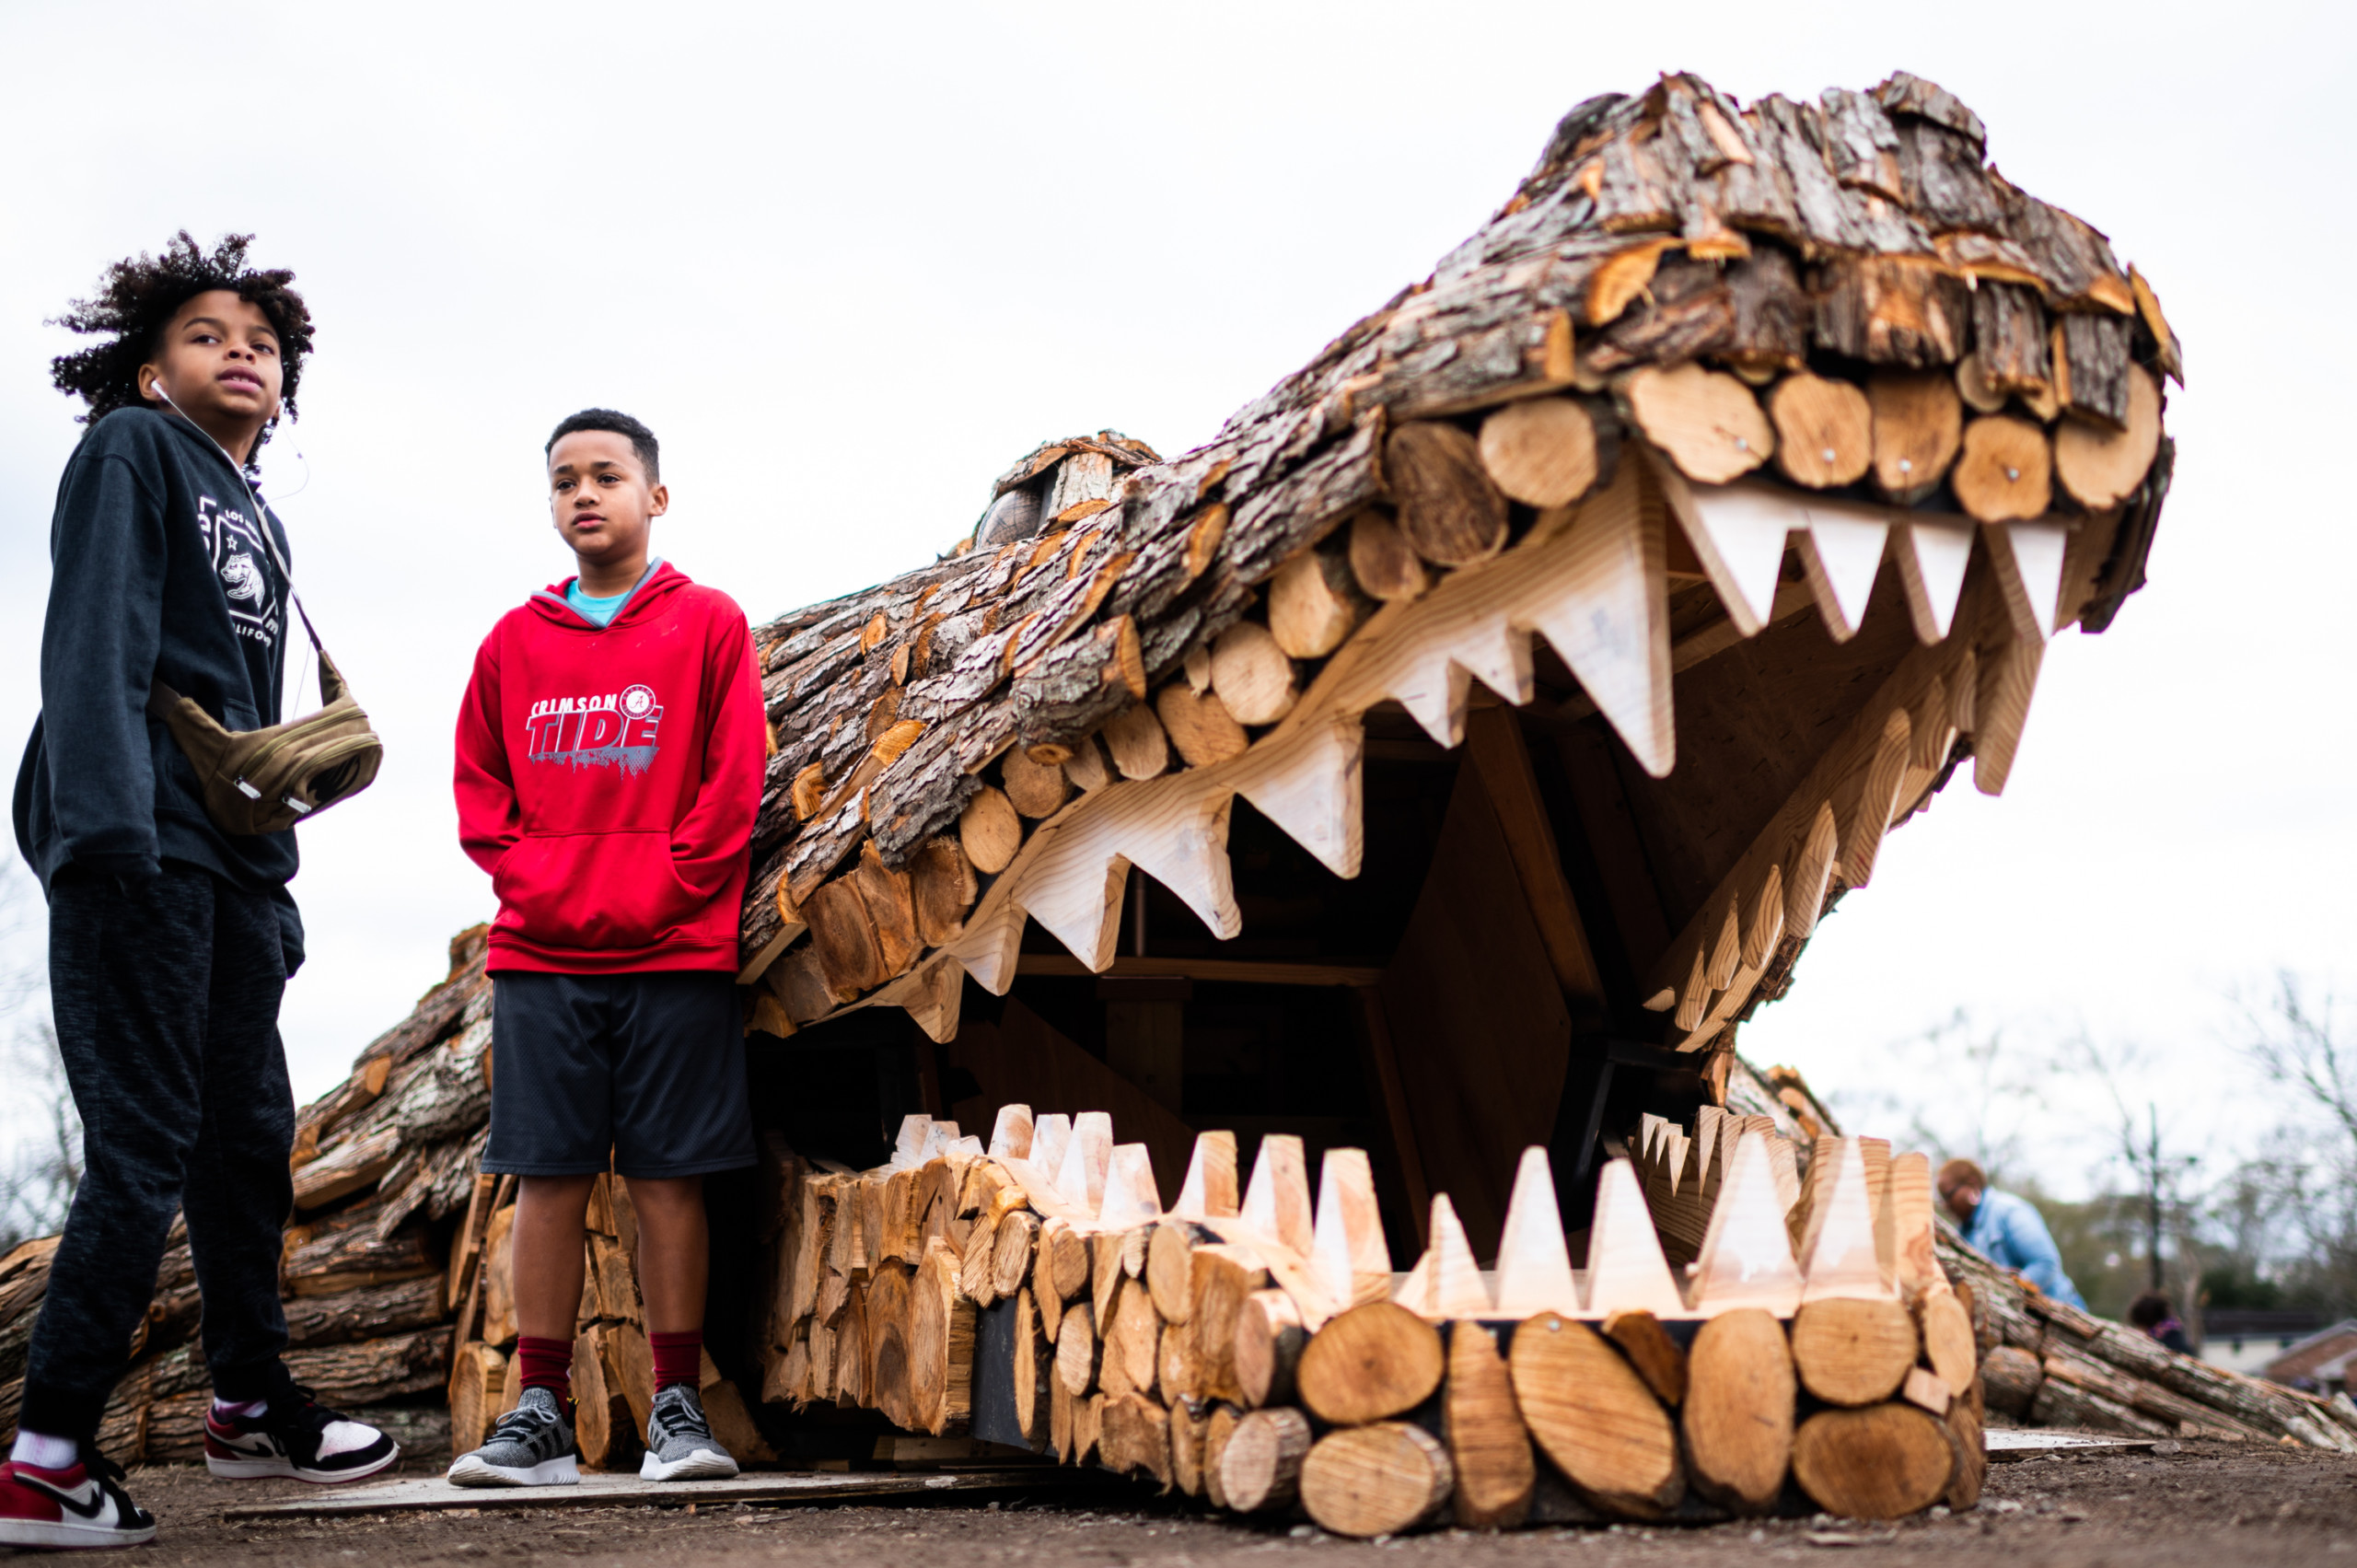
point(609, 777)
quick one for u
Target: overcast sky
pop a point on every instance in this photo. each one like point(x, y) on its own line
point(850, 263)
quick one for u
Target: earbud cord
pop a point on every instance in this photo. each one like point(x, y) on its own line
point(262, 523)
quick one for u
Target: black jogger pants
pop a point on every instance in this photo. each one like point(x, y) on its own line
point(167, 1010)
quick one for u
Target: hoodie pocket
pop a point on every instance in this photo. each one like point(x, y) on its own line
point(591, 891)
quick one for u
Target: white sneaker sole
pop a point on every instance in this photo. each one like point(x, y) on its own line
point(71, 1537)
point(282, 1468)
point(704, 1464)
point(471, 1471)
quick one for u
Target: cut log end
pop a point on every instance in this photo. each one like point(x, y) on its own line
point(1167, 1269)
point(1656, 1356)
point(1948, 1342)
point(1487, 1442)
point(990, 832)
point(1918, 425)
point(1135, 741)
point(2101, 467)
point(1077, 1350)
point(1594, 1418)
point(1374, 1480)
point(1824, 431)
point(1737, 1419)
point(1382, 560)
point(1368, 1363)
point(1707, 423)
point(1883, 1462)
point(1448, 509)
point(2010, 1376)
point(1314, 603)
point(1034, 788)
point(1200, 725)
point(1853, 1352)
point(1252, 675)
point(1269, 1343)
point(1541, 452)
point(1259, 1460)
point(2005, 470)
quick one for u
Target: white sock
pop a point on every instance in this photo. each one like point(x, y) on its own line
point(228, 1412)
point(43, 1452)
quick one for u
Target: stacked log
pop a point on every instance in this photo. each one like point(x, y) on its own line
point(2046, 1364)
point(1700, 335)
point(613, 1364)
point(1255, 1349)
point(383, 1167)
point(396, 1269)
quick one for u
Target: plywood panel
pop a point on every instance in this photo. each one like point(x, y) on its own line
point(1478, 1023)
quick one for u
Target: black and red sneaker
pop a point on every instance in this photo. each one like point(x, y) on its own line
point(79, 1508)
point(294, 1435)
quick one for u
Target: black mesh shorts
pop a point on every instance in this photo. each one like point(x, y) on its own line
point(648, 1067)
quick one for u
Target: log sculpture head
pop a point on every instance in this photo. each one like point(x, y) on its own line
point(1723, 491)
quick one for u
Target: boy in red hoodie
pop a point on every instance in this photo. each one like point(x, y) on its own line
point(609, 761)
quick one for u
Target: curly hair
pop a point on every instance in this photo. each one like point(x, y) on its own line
point(137, 299)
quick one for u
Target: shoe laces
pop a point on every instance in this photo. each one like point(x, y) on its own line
point(528, 1418)
point(299, 1409)
point(681, 1412)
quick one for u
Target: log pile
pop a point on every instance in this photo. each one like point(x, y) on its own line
point(396, 1269)
point(1702, 343)
point(613, 1365)
point(381, 1167)
point(1252, 1346)
point(2048, 1364)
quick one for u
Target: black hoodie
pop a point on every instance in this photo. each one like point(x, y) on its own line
point(157, 571)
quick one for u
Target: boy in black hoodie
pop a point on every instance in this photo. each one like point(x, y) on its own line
point(170, 941)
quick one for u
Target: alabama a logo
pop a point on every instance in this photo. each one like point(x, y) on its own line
point(614, 730)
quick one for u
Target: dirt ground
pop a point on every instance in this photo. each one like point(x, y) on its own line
point(2209, 1505)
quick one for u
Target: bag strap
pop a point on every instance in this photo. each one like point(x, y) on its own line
point(262, 515)
point(285, 572)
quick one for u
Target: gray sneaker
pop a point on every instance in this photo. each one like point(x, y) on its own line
point(679, 1444)
point(532, 1445)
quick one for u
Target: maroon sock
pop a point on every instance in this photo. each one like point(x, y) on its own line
point(548, 1364)
point(678, 1358)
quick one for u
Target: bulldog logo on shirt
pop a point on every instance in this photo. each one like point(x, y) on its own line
point(615, 730)
point(241, 578)
point(237, 550)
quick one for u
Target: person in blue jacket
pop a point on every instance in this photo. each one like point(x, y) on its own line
point(2006, 1230)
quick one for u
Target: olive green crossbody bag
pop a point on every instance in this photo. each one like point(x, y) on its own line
point(266, 780)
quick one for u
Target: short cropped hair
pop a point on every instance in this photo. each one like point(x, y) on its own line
point(642, 440)
point(137, 300)
point(1963, 1173)
point(2149, 1309)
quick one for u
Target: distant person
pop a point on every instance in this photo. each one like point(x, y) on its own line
point(2006, 1230)
point(2151, 1313)
point(171, 936)
point(609, 757)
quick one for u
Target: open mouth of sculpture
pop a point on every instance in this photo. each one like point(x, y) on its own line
point(1584, 797)
point(1722, 517)
point(1463, 742)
